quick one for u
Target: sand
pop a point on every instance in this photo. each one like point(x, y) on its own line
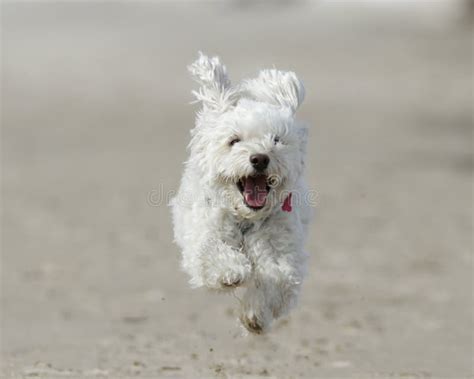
point(95, 123)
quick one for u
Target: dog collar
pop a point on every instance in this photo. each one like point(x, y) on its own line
point(286, 207)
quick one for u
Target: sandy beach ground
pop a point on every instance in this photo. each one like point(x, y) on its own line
point(95, 123)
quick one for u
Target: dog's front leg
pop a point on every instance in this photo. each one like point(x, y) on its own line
point(279, 264)
point(222, 265)
point(217, 260)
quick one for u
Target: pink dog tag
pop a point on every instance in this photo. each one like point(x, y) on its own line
point(286, 207)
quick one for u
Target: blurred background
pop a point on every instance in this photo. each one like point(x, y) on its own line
point(95, 123)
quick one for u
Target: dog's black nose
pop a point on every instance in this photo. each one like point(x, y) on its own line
point(259, 161)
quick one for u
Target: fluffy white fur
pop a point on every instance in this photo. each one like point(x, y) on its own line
point(225, 243)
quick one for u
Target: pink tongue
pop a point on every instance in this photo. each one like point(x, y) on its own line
point(255, 191)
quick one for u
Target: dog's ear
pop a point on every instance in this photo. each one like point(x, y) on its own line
point(216, 92)
point(282, 88)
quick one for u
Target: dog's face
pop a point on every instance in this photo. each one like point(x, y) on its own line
point(252, 154)
point(247, 147)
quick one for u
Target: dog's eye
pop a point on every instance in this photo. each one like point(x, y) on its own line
point(234, 141)
point(276, 139)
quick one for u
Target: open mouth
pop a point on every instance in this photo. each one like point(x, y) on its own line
point(255, 190)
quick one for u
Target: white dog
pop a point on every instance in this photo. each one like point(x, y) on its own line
point(240, 216)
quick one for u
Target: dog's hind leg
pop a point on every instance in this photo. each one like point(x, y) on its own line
point(279, 265)
point(271, 295)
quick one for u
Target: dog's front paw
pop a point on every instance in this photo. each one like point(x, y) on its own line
point(225, 267)
point(232, 280)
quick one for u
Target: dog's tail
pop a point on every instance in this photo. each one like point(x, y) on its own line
point(216, 92)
